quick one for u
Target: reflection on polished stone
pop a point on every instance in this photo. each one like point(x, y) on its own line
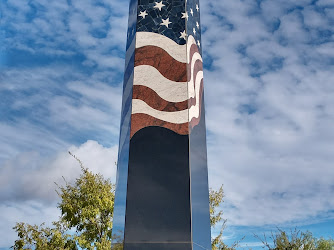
point(157, 246)
point(162, 199)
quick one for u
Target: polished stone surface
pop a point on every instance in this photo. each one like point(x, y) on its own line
point(124, 141)
point(158, 246)
point(162, 199)
point(158, 201)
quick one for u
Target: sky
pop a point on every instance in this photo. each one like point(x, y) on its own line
point(269, 88)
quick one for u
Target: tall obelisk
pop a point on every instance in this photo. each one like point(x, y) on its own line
point(162, 199)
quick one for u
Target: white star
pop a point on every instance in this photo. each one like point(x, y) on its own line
point(191, 12)
point(197, 8)
point(185, 15)
point(197, 25)
point(199, 44)
point(183, 35)
point(143, 14)
point(166, 22)
point(159, 5)
point(194, 31)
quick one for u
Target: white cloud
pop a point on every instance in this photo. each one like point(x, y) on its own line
point(326, 3)
point(314, 19)
point(31, 176)
point(27, 183)
point(24, 137)
point(269, 136)
point(50, 105)
point(60, 28)
point(31, 212)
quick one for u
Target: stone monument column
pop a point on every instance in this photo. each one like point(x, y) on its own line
point(162, 199)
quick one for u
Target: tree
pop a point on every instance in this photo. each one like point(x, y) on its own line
point(87, 208)
point(323, 244)
point(216, 199)
point(296, 240)
point(40, 237)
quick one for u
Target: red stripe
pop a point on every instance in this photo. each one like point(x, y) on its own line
point(151, 98)
point(162, 61)
point(140, 121)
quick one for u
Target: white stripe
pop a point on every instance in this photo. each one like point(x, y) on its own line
point(195, 110)
point(177, 117)
point(168, 90)
point(191, 41)
point(191, 88)
point(178, 52)
point(194, 89)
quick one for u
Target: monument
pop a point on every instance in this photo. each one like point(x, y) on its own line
point(162, 199)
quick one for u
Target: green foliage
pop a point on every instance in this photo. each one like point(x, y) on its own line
point(296, 240)
point(41, 238)
point(323, 244)
point(88, 207)
point(216, 199)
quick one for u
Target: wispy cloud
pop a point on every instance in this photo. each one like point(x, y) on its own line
point(23, 177)
point(96, 30)
point(58, 106)
point(270, 106)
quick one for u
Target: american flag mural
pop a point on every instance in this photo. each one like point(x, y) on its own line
point(162, 198)
point(168, 69)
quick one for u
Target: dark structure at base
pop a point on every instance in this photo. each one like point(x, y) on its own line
point(158, 200)
point(162, 199)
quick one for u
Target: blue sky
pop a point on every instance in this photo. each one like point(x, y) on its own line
point(269, 74)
